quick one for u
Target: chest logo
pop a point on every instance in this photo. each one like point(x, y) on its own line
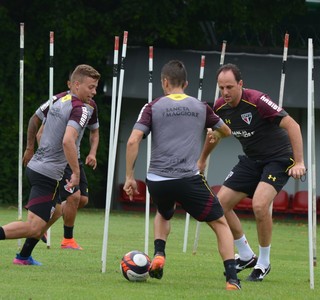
point(247, 118)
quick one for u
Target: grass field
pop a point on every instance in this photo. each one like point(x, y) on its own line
point(69, 274)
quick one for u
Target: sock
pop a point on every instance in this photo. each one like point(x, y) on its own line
point(230, 267)
point(264, 256)
point(159, 246)
point(2, 234)
point(28, 247)
point(68, 232)
point(244, 249)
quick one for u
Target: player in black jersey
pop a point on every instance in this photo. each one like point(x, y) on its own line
point(272, 143)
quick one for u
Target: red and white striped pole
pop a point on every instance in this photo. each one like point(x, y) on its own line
point(111, 164)
point(112, 121)
point(283, 69)
point(51, 55)
point(201, 75)
point(150, 86)
point(222, 55)
point(197, 234)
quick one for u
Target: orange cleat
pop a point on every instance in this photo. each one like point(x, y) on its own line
point(70, 244)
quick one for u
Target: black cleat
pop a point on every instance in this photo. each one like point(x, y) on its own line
point(259, 273)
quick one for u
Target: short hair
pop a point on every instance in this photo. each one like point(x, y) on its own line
point(82, 71)
point(230, 67)
point(175, 72)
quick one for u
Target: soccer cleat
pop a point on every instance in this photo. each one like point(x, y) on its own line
point(156, 267)
point(26, 261)
point(233, 284)
point(259, 273)
point(44, 238)
point(245, 264)
point(70, 244)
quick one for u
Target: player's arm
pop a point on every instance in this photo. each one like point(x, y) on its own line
point(70, 152)
point(295, 136)
point(91, 159)
point(39, 133)
point(130, 186)
point(212, 140)
point(33, 126)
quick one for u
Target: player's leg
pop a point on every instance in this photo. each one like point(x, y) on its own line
point(31, 228)
point(240, 182)
point(261, 202)
point(273, 177)
point(225, 246)
point(203, 205)
point(229, 199)
point(83, 201)
point(245, 257)
point(69, 210)
point(160, 193)
point(41, 204)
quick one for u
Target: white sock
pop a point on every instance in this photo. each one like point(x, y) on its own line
point(244, 249)
point(264, 256)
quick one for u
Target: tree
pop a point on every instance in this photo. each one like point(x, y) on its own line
point(84, 33)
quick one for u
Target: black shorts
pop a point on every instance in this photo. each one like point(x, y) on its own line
point(83, 185)
point(247, 174)
point(192, 193)
point(43, 194)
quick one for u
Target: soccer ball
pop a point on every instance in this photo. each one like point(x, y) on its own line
point(135, 266)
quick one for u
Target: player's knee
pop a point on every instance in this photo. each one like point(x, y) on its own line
point(74, 199)
point(260, 210)
point(83, 201)
point(35, 231)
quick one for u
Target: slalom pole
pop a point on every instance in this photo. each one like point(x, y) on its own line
point(283, 69)
point(223, 52)
point(21, 85)
point(199, 97)
point(113, 110)
point(51, 51)
point(197, 234)
point(114, 153)
point(310, 162)
point(150, 86)
point(282, 82)
point(314, 174)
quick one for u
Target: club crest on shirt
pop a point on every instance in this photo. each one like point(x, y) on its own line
point(247, 117)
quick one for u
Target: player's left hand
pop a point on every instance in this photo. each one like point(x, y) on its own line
point(297, 171)
point(91, 161)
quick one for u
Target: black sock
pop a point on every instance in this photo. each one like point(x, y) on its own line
point(159, 246)
point(28, 247)
point(2, 234)
point(230, 267)
point(68, 232)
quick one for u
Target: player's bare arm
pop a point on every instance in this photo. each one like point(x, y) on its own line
point(294, 133)
point(91, 159)
point(130, 186)
point(70, 151)
point(33, 126)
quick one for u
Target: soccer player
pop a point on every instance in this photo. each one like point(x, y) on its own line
point(73, 198)
point(273, 151)
point(177, 122)
point(66, 120)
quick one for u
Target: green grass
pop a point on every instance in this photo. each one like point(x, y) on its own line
point(68, 274)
